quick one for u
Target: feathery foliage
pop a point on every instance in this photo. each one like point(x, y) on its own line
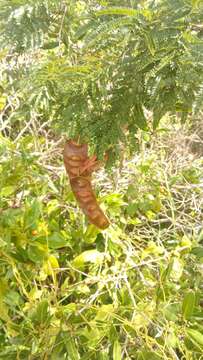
point(101, 70)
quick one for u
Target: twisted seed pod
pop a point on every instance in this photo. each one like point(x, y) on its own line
point(79, 168)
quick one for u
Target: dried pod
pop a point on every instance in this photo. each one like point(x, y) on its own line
point(79, 168)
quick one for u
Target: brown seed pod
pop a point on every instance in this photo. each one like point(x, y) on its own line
point(79, 168)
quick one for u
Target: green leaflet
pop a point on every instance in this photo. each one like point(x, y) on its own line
point(40, 315)
point(117, 11)
point(73, 353)
point(117, 350)
point(188, 304)
point(198, 251)
point(195, 336)
point(139, 117)
point(91, 256)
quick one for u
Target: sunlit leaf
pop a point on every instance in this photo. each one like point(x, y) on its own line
point(73, 353)
point(92, 256)
point(117, 351)
point(57, 241)
point(195, 336)
point(117, 11)
point(37, 252)
point(188, 304)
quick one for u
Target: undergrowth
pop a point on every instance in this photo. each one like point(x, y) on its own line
point(133, 291)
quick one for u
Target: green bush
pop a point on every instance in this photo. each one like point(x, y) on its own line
point(69, 291)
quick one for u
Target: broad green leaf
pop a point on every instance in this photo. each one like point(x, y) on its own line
point(131, 191)
point(103, 356)
point(198, 251)
point(73, 353)
point(35, 293)
point(94, 334)
point(33, 213)
point(104, 312)
point(195, 336)
point(41, 314)
point(148, 355)
point(117, 351)
point(92, 256)
point(132, 209)
point(7, 190)
point(57, 241)
point(53, 262)
point(171, 312)
point(37, 252)
point(4, 311)
point(13, 298)
point(50, 265)
point(2, 102)
point(68, 309)
point(59, 352)
point(186, 241)
point(188, 304)
point(158, 114)
point(196, 3)
point(152, 248)
point(177, 269)
point(172, 339)
point(91, 234)
point(52, 205)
